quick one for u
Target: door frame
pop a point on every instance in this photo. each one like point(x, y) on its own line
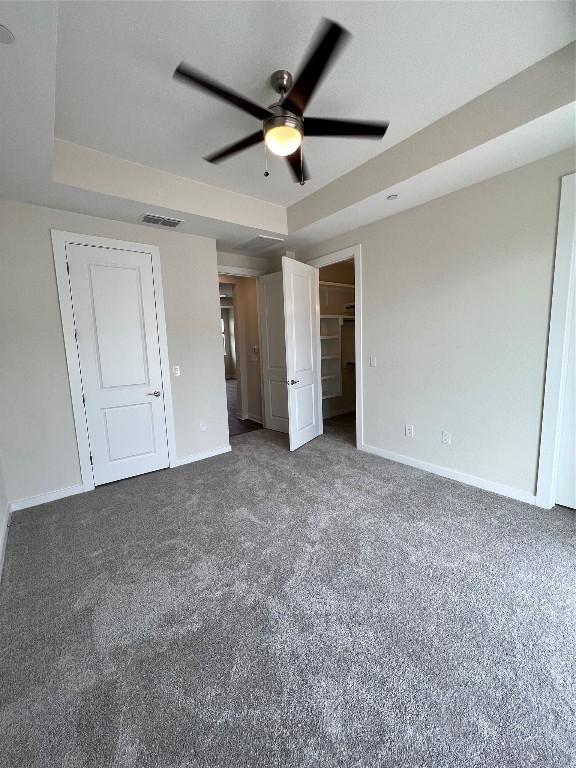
point(60, 241)
point(560, 318)
point(352, 252)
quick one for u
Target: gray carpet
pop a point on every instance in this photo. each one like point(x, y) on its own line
point(261, 609)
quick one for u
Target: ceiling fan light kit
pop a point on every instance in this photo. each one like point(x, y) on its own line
point(283, 133)
point(283, 123)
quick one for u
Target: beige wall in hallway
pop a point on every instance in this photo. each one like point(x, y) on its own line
point(456, 302)
point(37, 437)
point(248, 367)
point(248, 291)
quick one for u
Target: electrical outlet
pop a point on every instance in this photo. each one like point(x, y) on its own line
point(176, 370)
point(445, 438)
point(203, 426)
point(409, 430)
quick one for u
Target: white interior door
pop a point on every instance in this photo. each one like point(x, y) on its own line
point(302, 334)
point(273, 352)
point(566, 476)
point(118, 347)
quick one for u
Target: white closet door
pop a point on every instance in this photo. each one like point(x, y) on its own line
point(302, 331)
point(273, 352)
point(118, 347)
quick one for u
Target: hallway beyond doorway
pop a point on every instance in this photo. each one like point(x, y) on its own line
point(237, 426)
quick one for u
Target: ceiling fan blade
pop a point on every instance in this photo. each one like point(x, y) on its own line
point(238, 146)
point(298, 165)
point(191, 76)
point(330, 38)
point(353, 129)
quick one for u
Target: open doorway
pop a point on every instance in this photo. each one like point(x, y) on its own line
point(337, 345)
point(340, 301)
point(311, 340)
point(240, 347)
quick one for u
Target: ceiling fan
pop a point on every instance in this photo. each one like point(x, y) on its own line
point(283, 123)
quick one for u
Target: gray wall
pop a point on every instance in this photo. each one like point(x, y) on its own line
point(456, 308)
point(37, 437)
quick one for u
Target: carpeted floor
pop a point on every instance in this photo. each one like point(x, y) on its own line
point(322, 609)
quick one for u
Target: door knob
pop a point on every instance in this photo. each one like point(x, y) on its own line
point(292, 382)
point(155, 393)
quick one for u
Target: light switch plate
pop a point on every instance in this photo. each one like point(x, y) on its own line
point(176, 370)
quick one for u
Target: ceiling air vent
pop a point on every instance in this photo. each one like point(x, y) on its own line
point(258, 245)
point(160, 221)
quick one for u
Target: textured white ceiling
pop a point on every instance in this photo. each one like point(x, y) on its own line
point(409, 62)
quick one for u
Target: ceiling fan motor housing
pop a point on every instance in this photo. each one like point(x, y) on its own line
point(281, 116)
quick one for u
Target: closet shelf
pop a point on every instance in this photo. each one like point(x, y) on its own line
point(331, 349)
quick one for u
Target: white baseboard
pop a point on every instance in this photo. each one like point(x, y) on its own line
point(453, 474)
point(61, 493)
point(245, 415)
point(251, 417)
point(44, 498)
point(199, 455)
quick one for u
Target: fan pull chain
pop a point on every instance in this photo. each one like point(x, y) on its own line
point(302, 182)
point(266, 173)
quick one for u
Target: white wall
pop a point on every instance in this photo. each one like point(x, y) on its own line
point(242, 260)
point(37, 437)
point(456, 298)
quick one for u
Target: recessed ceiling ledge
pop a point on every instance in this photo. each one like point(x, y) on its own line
point(85, 168)
point(536, 91)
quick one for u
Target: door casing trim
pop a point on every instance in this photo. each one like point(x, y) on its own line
point(60, 242)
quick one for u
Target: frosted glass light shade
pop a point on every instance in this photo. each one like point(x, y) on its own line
point(283, 140)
